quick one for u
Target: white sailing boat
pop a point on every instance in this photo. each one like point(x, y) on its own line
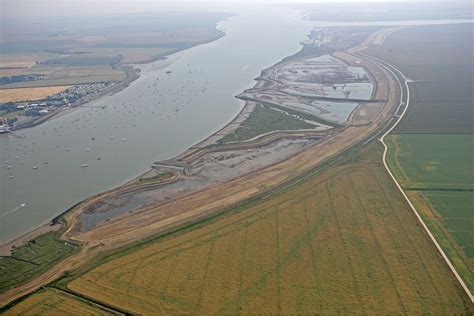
point(4, 127)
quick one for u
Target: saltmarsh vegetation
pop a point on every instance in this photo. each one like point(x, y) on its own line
point(33, 258)
point(339, 240)
point(265, 119)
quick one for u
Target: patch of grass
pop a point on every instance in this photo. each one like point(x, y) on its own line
point(32, 259)
point(341, 241)
point(68, 75)
point(133, 54)
point(23, 60)
point(29, 94)
point(433, 161)
point(265, 119)
point(160, 177)
point(457, 212)
point(83, 59)
point(6, 114)
point(453, 232)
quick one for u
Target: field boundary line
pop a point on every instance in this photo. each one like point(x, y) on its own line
point(87, 299)
point(387, 66)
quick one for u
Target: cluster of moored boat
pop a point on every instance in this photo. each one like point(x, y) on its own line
point(167, 99)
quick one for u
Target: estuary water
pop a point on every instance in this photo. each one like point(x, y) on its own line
point(158, 116)
point(174, 104)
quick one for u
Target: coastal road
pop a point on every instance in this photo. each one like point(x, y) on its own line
point(392, 69)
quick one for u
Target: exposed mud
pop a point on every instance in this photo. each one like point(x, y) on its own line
point(326, 91)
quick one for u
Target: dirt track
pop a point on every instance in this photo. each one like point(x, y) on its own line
point(130, 228)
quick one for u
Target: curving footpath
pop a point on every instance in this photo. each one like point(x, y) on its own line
point(389, 67)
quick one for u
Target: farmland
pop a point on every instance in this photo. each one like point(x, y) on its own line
point(431, 150)
point(67, 53)
point(438, 171)
point(57, 75)
point(308, 248)
point(22, 60)
point(439, 59)
point(132, 54)
point(433, 161)
point(29, 94)
point(54, 301)
point(455, 207)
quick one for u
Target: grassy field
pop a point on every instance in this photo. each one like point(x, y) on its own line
point(57, 75)
point(29, 94)
point(265, 119)
point(439, 58)
point(55, 302)
point(23, 60)
point(433, 161)
point(342, 241)
point(438, 171)
point(32, 259)
point(456, 210)
point(132, 54)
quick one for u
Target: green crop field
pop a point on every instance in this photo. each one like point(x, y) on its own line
point(438, 172)
point(457, 211)
point(433, 161)
point(340, 241)
point(265, 119)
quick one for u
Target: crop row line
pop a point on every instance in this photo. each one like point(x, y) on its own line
point(406, 234)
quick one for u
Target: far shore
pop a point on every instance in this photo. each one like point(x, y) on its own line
point(132, 72)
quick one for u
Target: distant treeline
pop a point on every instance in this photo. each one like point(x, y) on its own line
point(20, 78)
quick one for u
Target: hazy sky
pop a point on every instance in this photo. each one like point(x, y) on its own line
point(78, 7)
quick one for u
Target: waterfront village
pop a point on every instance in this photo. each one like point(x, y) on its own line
point(20, 114)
